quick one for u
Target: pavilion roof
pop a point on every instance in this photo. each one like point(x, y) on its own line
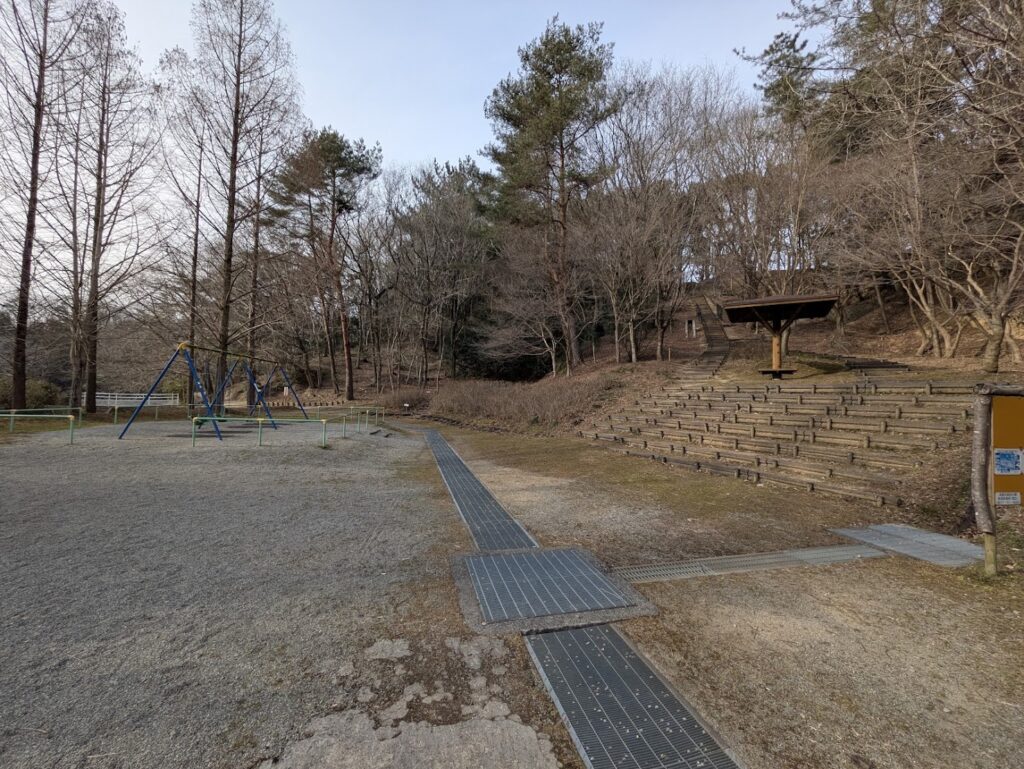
point(785, 308)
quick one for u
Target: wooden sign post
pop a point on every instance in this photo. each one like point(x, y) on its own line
point(997, 473)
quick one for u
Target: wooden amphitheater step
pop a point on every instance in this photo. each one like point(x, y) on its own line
point(792, 475)
point(933, 426)
point(761, 476)
point(865, 457)
point(751, 459)
point(818, 395)
point(877, 439)
point(869, 409)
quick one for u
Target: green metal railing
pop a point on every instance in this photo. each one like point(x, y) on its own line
point(69, 418)
point(362, 412)
point(196, 421)
point(360, 415)
point(44, 410)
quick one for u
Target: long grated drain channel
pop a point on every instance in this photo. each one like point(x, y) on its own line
point(491, 527)
point(917, 543)
point(620, 713)
point(735, 564)
point(540, 583)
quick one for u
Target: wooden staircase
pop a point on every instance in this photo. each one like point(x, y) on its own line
point(716, 345)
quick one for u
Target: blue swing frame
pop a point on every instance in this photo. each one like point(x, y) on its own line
point(181, 350)
point(288, 384)
point(251, 376)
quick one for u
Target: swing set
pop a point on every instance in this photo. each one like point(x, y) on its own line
point(184, 351)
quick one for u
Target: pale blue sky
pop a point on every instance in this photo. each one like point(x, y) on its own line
point(414, 75)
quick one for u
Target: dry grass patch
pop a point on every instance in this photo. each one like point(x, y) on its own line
point(885, 664)
point(630, 510)
point(550, 405)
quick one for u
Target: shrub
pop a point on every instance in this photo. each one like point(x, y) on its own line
point(395, 401)
point(38, 393)
point(550, 404)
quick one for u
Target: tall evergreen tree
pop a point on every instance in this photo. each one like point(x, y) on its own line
point(543, 116)
point(317, 186)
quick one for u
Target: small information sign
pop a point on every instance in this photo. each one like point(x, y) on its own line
point(1007, 461)
point(1007, 498)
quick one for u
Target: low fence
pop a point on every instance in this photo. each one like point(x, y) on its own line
point(43, 410)
point(199, 421)
point(111, 400)
point(360, 418)
point(10, 416)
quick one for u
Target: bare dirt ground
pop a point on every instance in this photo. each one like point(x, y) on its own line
point(229, 606)
point(885, 664)
point(630, 510)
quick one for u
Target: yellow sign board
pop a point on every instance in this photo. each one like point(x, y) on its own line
point(1007, 449)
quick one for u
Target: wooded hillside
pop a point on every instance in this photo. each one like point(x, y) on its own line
point(195, 203)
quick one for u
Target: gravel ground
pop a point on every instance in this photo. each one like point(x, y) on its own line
point(289, 607)
point(226, 606)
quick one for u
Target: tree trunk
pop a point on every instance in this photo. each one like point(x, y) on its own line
point(254, 283)
point(329, 336)
point(92, 337)
point(980, 472)
point(615, 325)
point(346, 341)
point(881, 308)
point(224, 332)
point(994, 346)
point(453, 370)
point(92, 314)
point(77, 352)
point(572, 347)
point(19, 356)
point(346, 347)
point(193, 283)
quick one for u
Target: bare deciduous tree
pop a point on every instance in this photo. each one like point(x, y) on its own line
point(36, 37)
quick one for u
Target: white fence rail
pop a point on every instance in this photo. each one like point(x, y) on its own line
point(112, 400)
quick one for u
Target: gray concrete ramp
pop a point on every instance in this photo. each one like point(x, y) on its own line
point(917, 543)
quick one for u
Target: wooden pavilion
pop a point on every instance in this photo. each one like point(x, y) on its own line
point(777, 314)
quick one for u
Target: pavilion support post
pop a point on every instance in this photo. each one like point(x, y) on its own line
point(776, 329)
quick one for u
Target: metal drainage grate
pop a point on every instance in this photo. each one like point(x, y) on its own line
point(917, 543)
point(542, 583)
point(618, 710)
point(735, 564)
point(663, 571)
point(491, 526)
point(823, 556)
